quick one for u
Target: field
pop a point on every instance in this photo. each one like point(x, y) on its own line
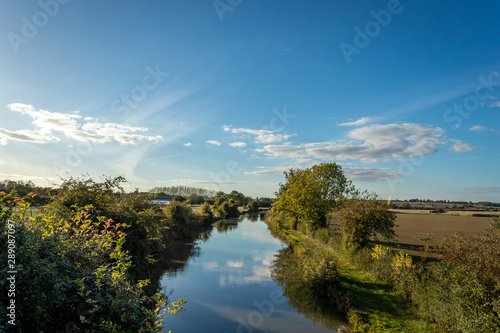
point(415, 231)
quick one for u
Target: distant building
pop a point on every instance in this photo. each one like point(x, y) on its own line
point(162, 200)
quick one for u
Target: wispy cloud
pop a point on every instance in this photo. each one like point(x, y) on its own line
point(372, 174)
point(478, 128)
point(213, 142)
point(72, 126)
point(267, 171)
point(461, 147)
point(260, 136)
point(495, 105)
point(238, 144)
point(188, 144)
point(361, 121)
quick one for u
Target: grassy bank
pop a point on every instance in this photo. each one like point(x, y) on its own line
point(375, 306)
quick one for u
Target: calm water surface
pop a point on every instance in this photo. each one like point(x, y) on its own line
point(226, 278)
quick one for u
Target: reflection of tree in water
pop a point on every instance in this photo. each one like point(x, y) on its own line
point(303, 290)
point(252, 217)
point(223, 226)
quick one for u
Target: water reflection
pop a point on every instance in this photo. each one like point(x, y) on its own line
point(223, 226)
point(226, 278)
point(287, 272)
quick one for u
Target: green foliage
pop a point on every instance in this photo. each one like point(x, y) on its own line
point(72, 273)
point(310, 194)
point(144, 223)
point(362, 217)
point(28, 191)
point(310, 282)
point(78, 262)
point(225, 209)
point(253, 206)
point(461, 292)
point(404, 205)
point(195, 199)
point(206, 209)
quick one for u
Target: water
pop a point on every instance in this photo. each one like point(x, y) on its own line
point(226, 278)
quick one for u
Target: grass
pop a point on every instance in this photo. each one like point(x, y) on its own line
point(385, 309)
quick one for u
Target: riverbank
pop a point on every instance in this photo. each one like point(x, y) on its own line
point(374, 305)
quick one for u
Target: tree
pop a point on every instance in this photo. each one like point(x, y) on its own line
point(404, 205)
point(310, 194)
point(363, 216)
point(253, 206)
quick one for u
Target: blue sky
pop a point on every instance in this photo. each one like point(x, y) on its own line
point(405, 95)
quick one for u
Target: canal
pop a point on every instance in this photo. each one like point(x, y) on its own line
point(229, 277)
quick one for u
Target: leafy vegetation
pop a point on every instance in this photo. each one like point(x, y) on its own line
point(79, 262)
point(389, 292)
point(309, 195)
point(362, 217)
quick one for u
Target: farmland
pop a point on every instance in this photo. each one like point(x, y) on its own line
point(416, 230)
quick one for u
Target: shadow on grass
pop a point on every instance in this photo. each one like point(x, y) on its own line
point(419, 253)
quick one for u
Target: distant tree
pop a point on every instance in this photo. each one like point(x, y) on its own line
point(195, 199)
point(310, 194)
point(205, 208)
point(404, 205)
point(239, 198)
point(253, 206)
point(265, 202)
point(362, 217)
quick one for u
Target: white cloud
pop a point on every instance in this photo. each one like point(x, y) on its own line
point(382, 142)
point(188, 144)
point(461, 147)
point(235, 264)
point(261, 136)
point(238, 144)
point(213, 142)
point(360, 122)
point(25, 135)
point(371, 174)
point(285, 150)
point(482, 129)
point(47, 122)
point(495, 105)
point(267, 171)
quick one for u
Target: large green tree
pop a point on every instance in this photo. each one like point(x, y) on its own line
point(308, 195)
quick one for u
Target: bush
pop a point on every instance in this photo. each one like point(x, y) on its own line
point(206, 209)
point(182, 219)
point(362, 217)
point(461, 293)
point(404, 205)
point(72, 274)
point(253, 206)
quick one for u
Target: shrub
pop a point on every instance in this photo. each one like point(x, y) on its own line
point(362, 217)
point(253, 206)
